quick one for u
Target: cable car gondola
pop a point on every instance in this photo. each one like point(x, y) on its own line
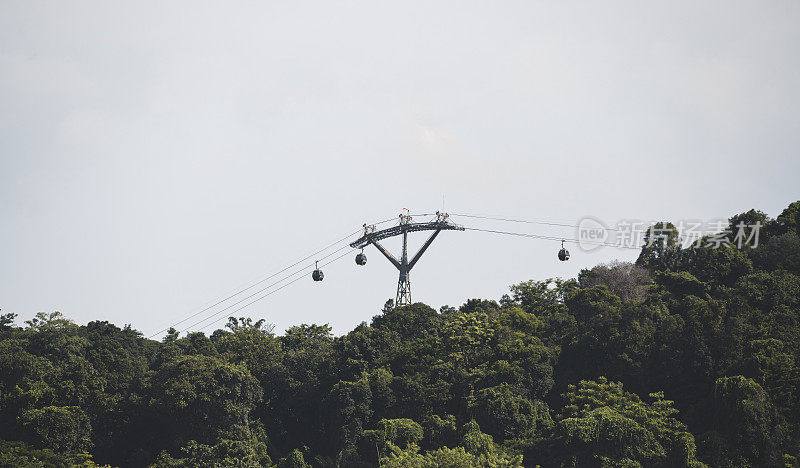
point(317, 275)
point(563, 254)
point(361, 259)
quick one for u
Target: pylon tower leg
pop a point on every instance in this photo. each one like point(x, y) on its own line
point(403, 291)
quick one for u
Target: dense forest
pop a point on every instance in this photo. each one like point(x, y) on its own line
point(688, 357)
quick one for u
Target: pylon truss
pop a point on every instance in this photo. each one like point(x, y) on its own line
point(404, 265)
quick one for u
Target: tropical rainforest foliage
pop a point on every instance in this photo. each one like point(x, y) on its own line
point(690, 357)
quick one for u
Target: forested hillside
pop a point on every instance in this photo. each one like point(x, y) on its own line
point(690, 357)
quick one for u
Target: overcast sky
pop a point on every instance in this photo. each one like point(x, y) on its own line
point(156, 156)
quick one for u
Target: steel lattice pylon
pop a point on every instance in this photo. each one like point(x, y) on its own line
point(404, 265)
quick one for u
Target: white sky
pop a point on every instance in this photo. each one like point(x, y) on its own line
point(155, 156)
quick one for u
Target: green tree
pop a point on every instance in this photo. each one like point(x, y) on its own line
point(202, 398)
point(744, 431)
point(64, 429)
point(626, 280)
point(662, 247)
point(603, 425)
point(226, 453)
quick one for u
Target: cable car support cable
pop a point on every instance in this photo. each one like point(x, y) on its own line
point(555, 238)
point(251, 286)
point(303, 271)
point(274, 290)
point(522, 221)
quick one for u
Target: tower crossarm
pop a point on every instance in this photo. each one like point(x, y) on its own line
point(368, 238)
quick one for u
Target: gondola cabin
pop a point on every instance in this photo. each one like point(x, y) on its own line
point(317, 275)
point(563, 254)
